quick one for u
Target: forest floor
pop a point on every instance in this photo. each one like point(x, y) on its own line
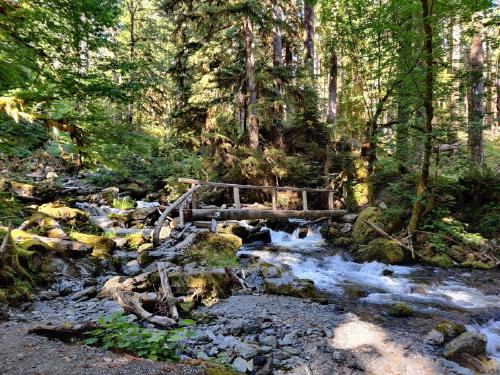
point(25, 354)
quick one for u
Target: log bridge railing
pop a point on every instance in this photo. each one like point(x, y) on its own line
point(237, 213)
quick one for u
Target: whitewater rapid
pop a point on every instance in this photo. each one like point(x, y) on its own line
point(383, 284)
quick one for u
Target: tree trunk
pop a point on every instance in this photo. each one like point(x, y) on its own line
point(476, 88)
point(309, 35)
point(418, 207)
point(403, 117)
point(454, 123)
point(132, 8)
point(331, 114)
point(252, 123)
point(278, 63)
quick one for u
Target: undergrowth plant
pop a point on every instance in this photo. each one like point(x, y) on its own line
point(118, 332)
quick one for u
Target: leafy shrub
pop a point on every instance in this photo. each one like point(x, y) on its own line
point(118, 332)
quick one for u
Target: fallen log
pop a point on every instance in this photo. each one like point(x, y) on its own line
point(184, 244)
point(245, 214)
point(166, 290)
point(27, 240)
point(235, 279)
point(387, 235)
point(131, 302)
point(65, 332)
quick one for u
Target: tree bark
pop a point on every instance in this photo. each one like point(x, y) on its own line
point(422, 187)
point(278, 63)
point(252, 122)
point(309, 35)
point(331, 114)
point(454, 123)
point(476, 88)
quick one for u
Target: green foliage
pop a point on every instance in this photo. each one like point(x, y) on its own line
point(453, 228)
point(125, 203)
point(20, 140)
point(118, 332)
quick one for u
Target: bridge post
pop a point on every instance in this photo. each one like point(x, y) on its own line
point(236, 195)
point(193, 198)
point(304, 200)
point(275, 200)
point(330, 201)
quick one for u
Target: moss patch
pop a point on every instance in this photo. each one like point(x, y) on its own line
point(449, 329)
point(381, 250)
point(215, 250)
point(102, 247)
point(399, 310)
point(362, 233)
point(441, 261)
point(302, 288)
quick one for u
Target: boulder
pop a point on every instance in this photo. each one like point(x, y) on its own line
point(102, 247)
point(141, 214)
point(132, 268)
point(289, 285)
point(469, 342)
point(111, 286)
point(136, 190)
point(237, 229)
point(214, 249)
point(362, 233)
point(450, 330)
point(263, 235)
point(381, 250)
point(434, 337)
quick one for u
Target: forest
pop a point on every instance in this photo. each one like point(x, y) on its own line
point(239, 186)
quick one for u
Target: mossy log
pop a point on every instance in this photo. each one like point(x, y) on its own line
point(59, 211)
point(102, 247)
point(27, 241)
point(48, 225)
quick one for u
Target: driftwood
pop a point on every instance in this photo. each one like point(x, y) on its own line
point(64, 332)
point(166, 290)
point(131, 302)
point(386, 235)
point(235, 279)
point(163, 216)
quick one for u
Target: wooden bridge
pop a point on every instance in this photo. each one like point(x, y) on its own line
point(189, 211)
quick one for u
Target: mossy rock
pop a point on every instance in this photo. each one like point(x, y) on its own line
point(449, 329)
point(400, 310)
point(236, 229)
point(122, 218)
point(345, 242)
point(214, 250)
point(441, 261)
point(207, 283)
point(381, 250)
point(301, 288)
point(102, 247)
point(136, 240)
point(362, 233)
point(60, 212)
point(16, 293)
point(144, 259)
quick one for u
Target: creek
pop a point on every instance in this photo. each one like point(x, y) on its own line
point(466, 296)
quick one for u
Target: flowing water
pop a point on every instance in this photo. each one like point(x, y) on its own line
point(457, 294)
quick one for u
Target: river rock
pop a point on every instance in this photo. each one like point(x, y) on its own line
point(240, 365)
point(268, 341)
point(111, 286)
point(132, 268)
point(246, 350)
point(434, 337)
point(471, 343)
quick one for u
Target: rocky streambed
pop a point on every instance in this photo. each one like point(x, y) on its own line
point(307, 308)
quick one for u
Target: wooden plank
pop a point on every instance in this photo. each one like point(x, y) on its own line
point(304, 200)
point(330, 201)
point(274, 199)
point(279, 188)
point(236, 195)
point(246, 214)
